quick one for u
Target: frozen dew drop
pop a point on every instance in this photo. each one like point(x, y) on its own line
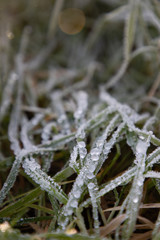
point(141, 137)
point(141, 147)
point(74, 203)
point(81, 144)
point(90, 175)
point(140, 181)
point(78, 114)
point(92, 168)
point(91, 185)
point(5, 185)
point(80, 133)
point(95, 157)
point(106, 149)
point(95, 151)
point(135, 200)
point(80, 182)
point(99, 143)
point(77, 194)
point(95, 154)
point(82, 152)
point(69, 212)
point(112, 185)
point(62, 118)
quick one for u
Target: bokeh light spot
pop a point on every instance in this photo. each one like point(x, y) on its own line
point(71, 20)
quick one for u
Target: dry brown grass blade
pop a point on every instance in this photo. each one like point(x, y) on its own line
point(110, 227)
point(148, 205)
point(143, 226)
point(154, 86)
point(142, 236)
point(146, 221)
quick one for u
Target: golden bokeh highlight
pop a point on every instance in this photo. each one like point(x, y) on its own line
point(71, 231)
point(5, 227)
point(71, 20)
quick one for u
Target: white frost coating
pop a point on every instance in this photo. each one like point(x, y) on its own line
point(152, 174)
point(82, 102)
point(80, 182)
point(7, 94)
point(126, 177)
point(136, 191)
point(141, 146)
point(60, 111)
point(38, 117)
point(47, 131)
point(80, 132)
point(32, 169)
point(27, 144)
point(72, 162)
point(93, 193)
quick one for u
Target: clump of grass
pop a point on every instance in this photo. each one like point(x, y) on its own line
point(79, 117)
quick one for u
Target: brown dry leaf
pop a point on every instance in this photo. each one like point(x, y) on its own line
point(142, 236)
point(38, 229)
point(110, 227)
